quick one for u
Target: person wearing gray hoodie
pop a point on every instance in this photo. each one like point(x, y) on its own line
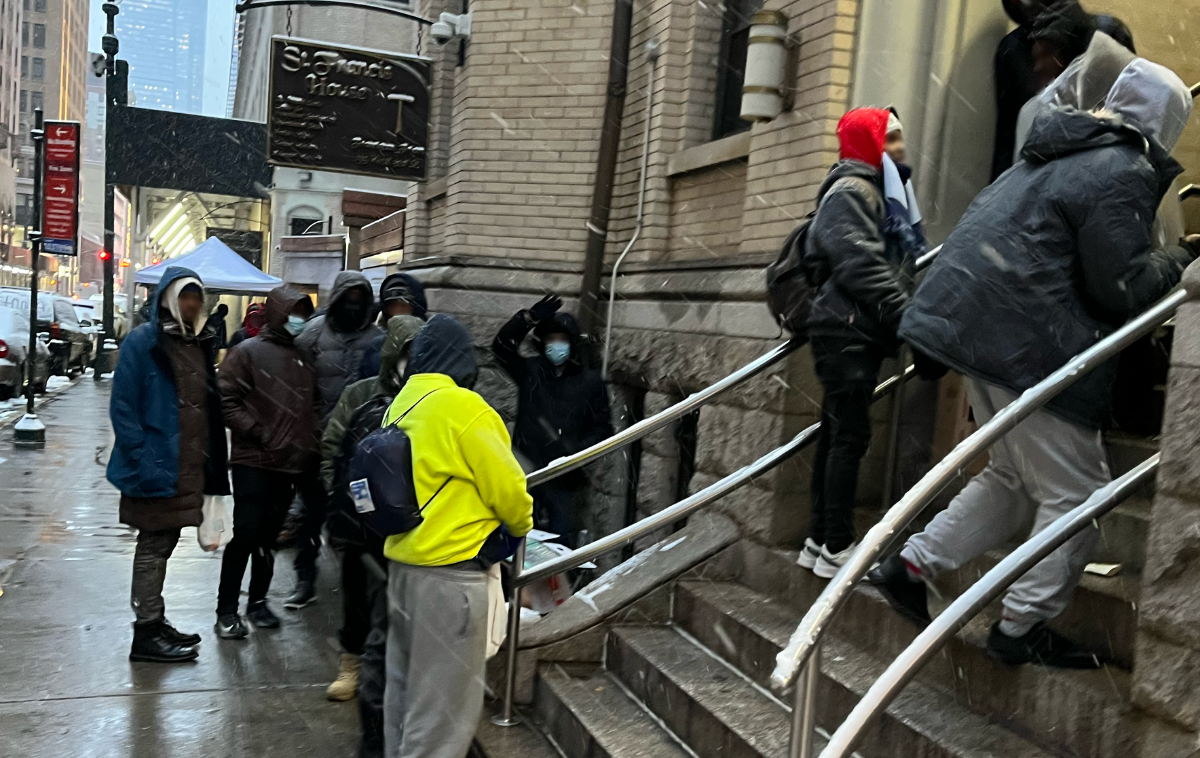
point(333, 342)
point(1052, 257)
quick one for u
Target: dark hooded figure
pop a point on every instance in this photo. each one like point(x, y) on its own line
point(169, 449)
point(562, 407)
point(334, 342)
point(252, 323)
point(1015, 79)
point(399, 295)
point(1056, 254)
point(216, 325)
point(269, 394)
point(358, 413)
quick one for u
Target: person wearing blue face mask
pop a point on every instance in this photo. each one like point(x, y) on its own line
point(562, 408)
point(269, 395)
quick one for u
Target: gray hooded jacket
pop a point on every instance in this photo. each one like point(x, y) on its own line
point(335, 354)
point(1059, 251)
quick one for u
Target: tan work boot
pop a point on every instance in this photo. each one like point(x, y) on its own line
point(346, 684)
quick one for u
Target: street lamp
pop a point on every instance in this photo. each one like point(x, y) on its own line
point(104, 359)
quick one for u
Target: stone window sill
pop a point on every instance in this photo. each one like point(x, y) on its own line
point(709, 154)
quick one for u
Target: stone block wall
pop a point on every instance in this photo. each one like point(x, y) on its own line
point(1166, 676)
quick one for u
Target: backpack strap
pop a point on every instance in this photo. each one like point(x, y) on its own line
point(401, 416)
point(414, 405)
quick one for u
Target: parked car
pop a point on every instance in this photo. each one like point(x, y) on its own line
point(89, 319)
point(121, 324)
point(70, 347)
point(14, 346)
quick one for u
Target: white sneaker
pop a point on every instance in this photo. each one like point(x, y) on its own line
point(829, 564)
point(809, 554)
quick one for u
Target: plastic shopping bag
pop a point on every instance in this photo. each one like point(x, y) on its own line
point(217, 528)
point(497, 618)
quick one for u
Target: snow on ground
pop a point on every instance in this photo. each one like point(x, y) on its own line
point(56, 383)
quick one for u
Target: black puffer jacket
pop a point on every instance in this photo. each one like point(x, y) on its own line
point(560, 410)
point(1050, 259)
point(863, 280)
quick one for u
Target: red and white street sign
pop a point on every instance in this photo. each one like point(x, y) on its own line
point(60, 188)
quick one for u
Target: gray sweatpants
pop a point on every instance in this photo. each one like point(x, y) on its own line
point(1045, 465)
point(436, 649)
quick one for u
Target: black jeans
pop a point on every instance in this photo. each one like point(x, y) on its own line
point(308, 534)
point(149, 572)
point(372, 666)
point(848, 371)
point(358, 592)
point(260, 503)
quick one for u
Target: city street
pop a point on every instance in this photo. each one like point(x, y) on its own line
point(66, 686)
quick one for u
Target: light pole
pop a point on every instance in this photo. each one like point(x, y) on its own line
point(29, 432)
point(110, 47)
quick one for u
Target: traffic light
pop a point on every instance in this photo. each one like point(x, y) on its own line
point(154, 261)
point(105, 255)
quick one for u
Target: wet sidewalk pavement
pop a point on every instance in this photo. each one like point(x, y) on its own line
point(67, 687)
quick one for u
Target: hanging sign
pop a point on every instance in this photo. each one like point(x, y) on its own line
point(335, 108)
point(60, 188)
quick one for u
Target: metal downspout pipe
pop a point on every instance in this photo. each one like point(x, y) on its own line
point(652, 54)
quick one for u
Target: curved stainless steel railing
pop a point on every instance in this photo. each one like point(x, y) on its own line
point(634, 531)
point(691, 403)
point(806, 639)
point(976, 598)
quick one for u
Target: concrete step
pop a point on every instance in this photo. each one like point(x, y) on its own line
point(749, 629)
point(1102, 614)
point(1123, 533)
point(1127, 450)
point(1079, 713)
point(591, 717)
point(716, 712)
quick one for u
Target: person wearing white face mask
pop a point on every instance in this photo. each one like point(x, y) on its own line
point(269, 394)
point(562, 407)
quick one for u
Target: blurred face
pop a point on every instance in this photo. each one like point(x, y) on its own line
point(397, 308)
point(1047, 63)
point(896, 148)
point(303, 309)
point(190, 304)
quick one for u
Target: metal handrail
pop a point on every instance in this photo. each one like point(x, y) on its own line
point(820, 616)
point(692, 402)
point(976, 598)
point(633, 433)
point(625, 536)
point(671, 514)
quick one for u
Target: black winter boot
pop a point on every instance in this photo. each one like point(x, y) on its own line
point(305, 594)
point(183, 639)
point(1041, 646)
point(151, 645)
point(906, 595)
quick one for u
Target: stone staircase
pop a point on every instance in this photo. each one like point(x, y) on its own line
point(695, 685)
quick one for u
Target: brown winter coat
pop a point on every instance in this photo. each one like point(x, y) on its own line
point(189, 367)
point(268, 392)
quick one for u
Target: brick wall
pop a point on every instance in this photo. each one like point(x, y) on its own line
point(706, 212)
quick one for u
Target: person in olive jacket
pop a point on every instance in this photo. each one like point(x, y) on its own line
point(169, 449)
point(269, 392)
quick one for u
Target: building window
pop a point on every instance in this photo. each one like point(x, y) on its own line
point(24, 101)
point(24, 66)
point(300, 225)
point(39, 69)
point(39, 38)
point(24, 34)
point(731, 67)
point(35, 100)
point(39, 6)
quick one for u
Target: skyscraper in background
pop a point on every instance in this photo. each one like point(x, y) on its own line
point(164, 40)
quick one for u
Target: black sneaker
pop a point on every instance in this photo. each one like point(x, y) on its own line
point(179, 638)
point(906, 595)
point(230, 626)
point(1041, 646)
point(261, 616)
point(150, 645)
point(305, 594)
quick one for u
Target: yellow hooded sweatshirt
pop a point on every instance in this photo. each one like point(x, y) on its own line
point(457, 440)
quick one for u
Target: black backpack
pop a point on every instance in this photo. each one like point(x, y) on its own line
point(790, 294)
point(791, 285)
point(381, 481)
point(345, 527)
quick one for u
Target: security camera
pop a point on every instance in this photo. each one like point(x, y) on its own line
point(450, 26)
point(441, 32)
